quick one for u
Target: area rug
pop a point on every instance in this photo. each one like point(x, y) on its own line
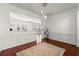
point(42, 49)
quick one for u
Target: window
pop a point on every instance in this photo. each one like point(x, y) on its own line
point(19, 22)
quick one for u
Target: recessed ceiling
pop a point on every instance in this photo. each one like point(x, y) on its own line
point(51, 8)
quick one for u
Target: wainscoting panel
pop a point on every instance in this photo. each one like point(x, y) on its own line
point(15, 39)
point(68, 38)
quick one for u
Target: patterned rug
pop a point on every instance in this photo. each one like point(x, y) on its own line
point(42, 49)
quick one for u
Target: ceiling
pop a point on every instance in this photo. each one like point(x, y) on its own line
point(51, 8)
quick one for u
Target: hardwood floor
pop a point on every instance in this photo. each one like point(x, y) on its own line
point(70, 50)
point(12, 51)
point(77, 51)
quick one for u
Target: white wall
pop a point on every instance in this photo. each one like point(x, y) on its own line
point(78, 26)
point(10, 39)
point(62, 26)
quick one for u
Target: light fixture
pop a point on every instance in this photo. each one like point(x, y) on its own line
point(45, 16)
point(42, 10)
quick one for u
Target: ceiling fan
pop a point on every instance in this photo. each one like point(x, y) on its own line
point(42, 10)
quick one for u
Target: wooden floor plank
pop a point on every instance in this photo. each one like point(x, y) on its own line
point(70, 50)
